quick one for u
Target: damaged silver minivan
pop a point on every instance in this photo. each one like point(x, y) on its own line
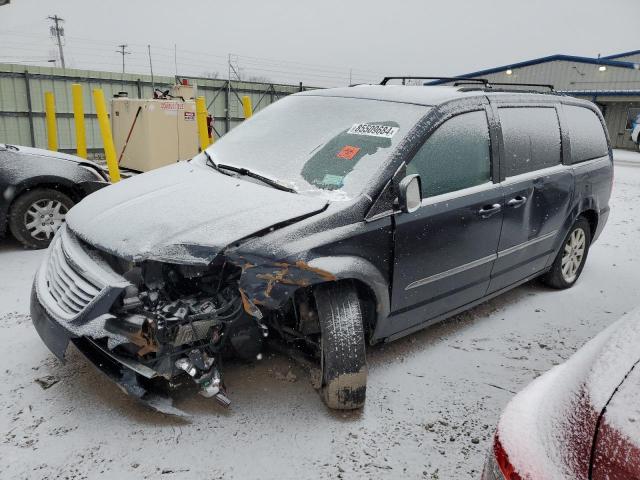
point(320, 223)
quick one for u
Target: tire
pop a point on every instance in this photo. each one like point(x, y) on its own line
point(343, 360)
point(36, 215)
point(580, 234)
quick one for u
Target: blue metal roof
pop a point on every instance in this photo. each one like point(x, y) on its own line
point(623, 54)
point(601, 93)
point(537, 61)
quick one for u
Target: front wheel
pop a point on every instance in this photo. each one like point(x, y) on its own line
point(343, 360)
point(568, 265)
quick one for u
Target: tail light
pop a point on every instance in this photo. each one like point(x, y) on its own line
point(502, 460)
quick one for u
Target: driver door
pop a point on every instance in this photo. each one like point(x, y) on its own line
point(445, 250)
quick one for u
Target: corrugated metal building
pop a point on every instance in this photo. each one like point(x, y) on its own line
point(612, 82)
point(22, 118)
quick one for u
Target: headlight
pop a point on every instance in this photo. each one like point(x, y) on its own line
point(96, 173)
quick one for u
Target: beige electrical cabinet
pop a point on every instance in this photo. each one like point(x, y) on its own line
point(164, 132)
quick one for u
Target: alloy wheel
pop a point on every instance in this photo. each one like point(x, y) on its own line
point(573, 255)
point(43, 218)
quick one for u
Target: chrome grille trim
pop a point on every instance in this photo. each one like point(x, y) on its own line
point(72, 280)
point(68, 287)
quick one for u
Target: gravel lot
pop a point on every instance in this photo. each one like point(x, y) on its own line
point(433, 397)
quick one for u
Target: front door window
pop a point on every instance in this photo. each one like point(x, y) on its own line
point(455, 156)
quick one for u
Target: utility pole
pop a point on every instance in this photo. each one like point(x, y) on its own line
point(153, 85)
point(122, 51)
point(175, 59)
point(57, 31)
point(232, 69)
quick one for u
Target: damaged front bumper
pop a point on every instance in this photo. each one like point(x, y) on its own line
point(134, 378)
point(147, 350)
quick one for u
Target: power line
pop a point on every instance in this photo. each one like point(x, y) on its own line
point(57, 31)
point(192, 62)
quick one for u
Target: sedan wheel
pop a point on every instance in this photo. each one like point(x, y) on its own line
point(43, 218)
point(36, 215)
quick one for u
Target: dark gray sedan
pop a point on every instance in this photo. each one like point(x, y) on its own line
point(37, 189)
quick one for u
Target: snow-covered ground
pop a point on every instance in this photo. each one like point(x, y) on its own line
point(626, 157)
point(432, 402)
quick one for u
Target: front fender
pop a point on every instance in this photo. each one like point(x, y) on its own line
point(269, 283)
point(350, 267)
point(34, 182)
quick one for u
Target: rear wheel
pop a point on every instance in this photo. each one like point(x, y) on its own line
point(568, 265)
point(343, 360)
point(35, 216)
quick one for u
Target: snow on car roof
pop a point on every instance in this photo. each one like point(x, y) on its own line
point(41, 152)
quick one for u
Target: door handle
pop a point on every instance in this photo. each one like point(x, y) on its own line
point(517, 201)
point(489, 210)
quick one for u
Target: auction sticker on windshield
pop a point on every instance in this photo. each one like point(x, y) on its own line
point(373, 130)
point(348, 152)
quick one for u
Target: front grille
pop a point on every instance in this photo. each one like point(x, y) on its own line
point(66, 284)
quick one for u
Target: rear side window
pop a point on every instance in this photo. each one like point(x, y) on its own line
point(588, 140)
point(531, 138)
point(455, 156)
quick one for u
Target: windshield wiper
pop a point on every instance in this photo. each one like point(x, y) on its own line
point(248, 173)
point(211, 163)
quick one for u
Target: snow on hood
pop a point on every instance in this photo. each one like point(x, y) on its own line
point(171, 212)
point(40, 152)
point(542, 426)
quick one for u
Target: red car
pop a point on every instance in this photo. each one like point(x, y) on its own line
point(580, 420)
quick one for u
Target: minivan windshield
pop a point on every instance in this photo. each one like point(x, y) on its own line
point(317, 145)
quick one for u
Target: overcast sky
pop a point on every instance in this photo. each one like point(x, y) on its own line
point(317, 42)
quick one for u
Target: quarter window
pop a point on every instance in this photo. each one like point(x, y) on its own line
point(588, 140)
point(531, 138)
point(455, 156)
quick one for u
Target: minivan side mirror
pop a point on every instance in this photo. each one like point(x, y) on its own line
point(409, 193)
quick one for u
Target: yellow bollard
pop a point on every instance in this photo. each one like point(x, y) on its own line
point(52, 127)
point(78, 116)
point(107, 139)
point(201, 114)
point(247, 107)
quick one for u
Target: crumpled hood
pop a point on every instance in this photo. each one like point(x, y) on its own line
point(183, 212)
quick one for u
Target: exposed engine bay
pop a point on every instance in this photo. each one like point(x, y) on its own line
point(181, 320)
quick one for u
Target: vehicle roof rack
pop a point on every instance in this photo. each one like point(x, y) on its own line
point(479, 84)
point(508, 84)
point(458, 80)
